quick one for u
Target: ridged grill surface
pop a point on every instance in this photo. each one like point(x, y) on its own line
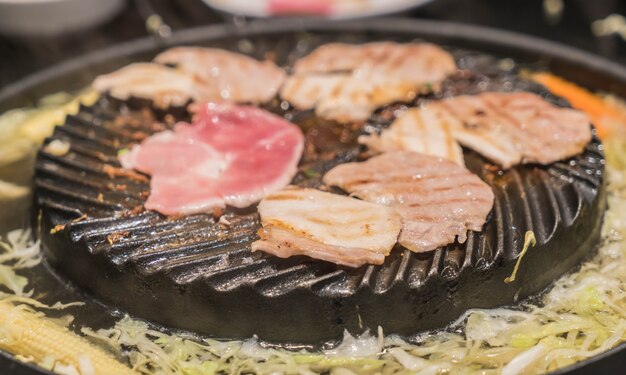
point(95, 208)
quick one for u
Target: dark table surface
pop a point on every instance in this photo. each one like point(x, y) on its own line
point(20, 56)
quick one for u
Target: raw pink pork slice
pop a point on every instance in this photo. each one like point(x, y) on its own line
point(231, 155)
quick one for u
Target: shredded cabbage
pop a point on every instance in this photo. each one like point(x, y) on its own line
point(17, 253)
point(23, 130)
point(10, 190)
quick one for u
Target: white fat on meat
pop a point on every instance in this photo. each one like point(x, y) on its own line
point(507, 128)
point(230, 155)
point(225, 75)
point(166, 87)
point(325, 226)
point(347, 82)
point(438, 200)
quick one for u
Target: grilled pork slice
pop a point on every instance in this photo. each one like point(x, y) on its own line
point(437, 199)
point(419, 130)
point(224, 75)
point(164, 86)
point(513, 128)
point(348, 82)
point(200, 74)
point(311, 90)
point(230, 155)
point(401, 60)
point(507, 128)
point(326, 226)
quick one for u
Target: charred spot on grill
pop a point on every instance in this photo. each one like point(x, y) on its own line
point(197, 272)
point(118, 172)
point(117, 187)
point(134, 211)
point(471, 125)
point(217, 213)
point(115, 237)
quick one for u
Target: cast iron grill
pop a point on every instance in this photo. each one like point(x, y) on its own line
point(195, 273)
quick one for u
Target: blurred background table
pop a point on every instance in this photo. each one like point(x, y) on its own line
point(571, 24)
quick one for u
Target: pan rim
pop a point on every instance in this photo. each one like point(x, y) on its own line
point(487, 35)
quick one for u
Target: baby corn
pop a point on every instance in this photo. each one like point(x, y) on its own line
point(24, 331)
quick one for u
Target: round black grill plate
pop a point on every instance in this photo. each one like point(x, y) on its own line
point(197, 274)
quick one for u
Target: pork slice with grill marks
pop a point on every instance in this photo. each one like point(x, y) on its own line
point(507, 128)
point(421, 130)
point(181, 74)
point(542, 132)
point(348, 82)
point(325, 226)
point(515, 128)
point(438, 200)
point(163, 85)
point(225, 75)
point(230, 155)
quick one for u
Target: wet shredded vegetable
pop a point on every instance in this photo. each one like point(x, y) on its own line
point(583, 315)
point(23, 130)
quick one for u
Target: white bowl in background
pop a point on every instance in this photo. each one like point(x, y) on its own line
point(45, 17)
point(334, 9)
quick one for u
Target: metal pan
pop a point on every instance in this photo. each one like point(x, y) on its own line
point(586, 69)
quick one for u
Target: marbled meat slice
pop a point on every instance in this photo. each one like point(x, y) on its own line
point(163, 85)
point(507, 128)
point(348, 82)
point(326, 226)
point(224, 75)
point(421, 130)
point(437, 199)
point(231, 155)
